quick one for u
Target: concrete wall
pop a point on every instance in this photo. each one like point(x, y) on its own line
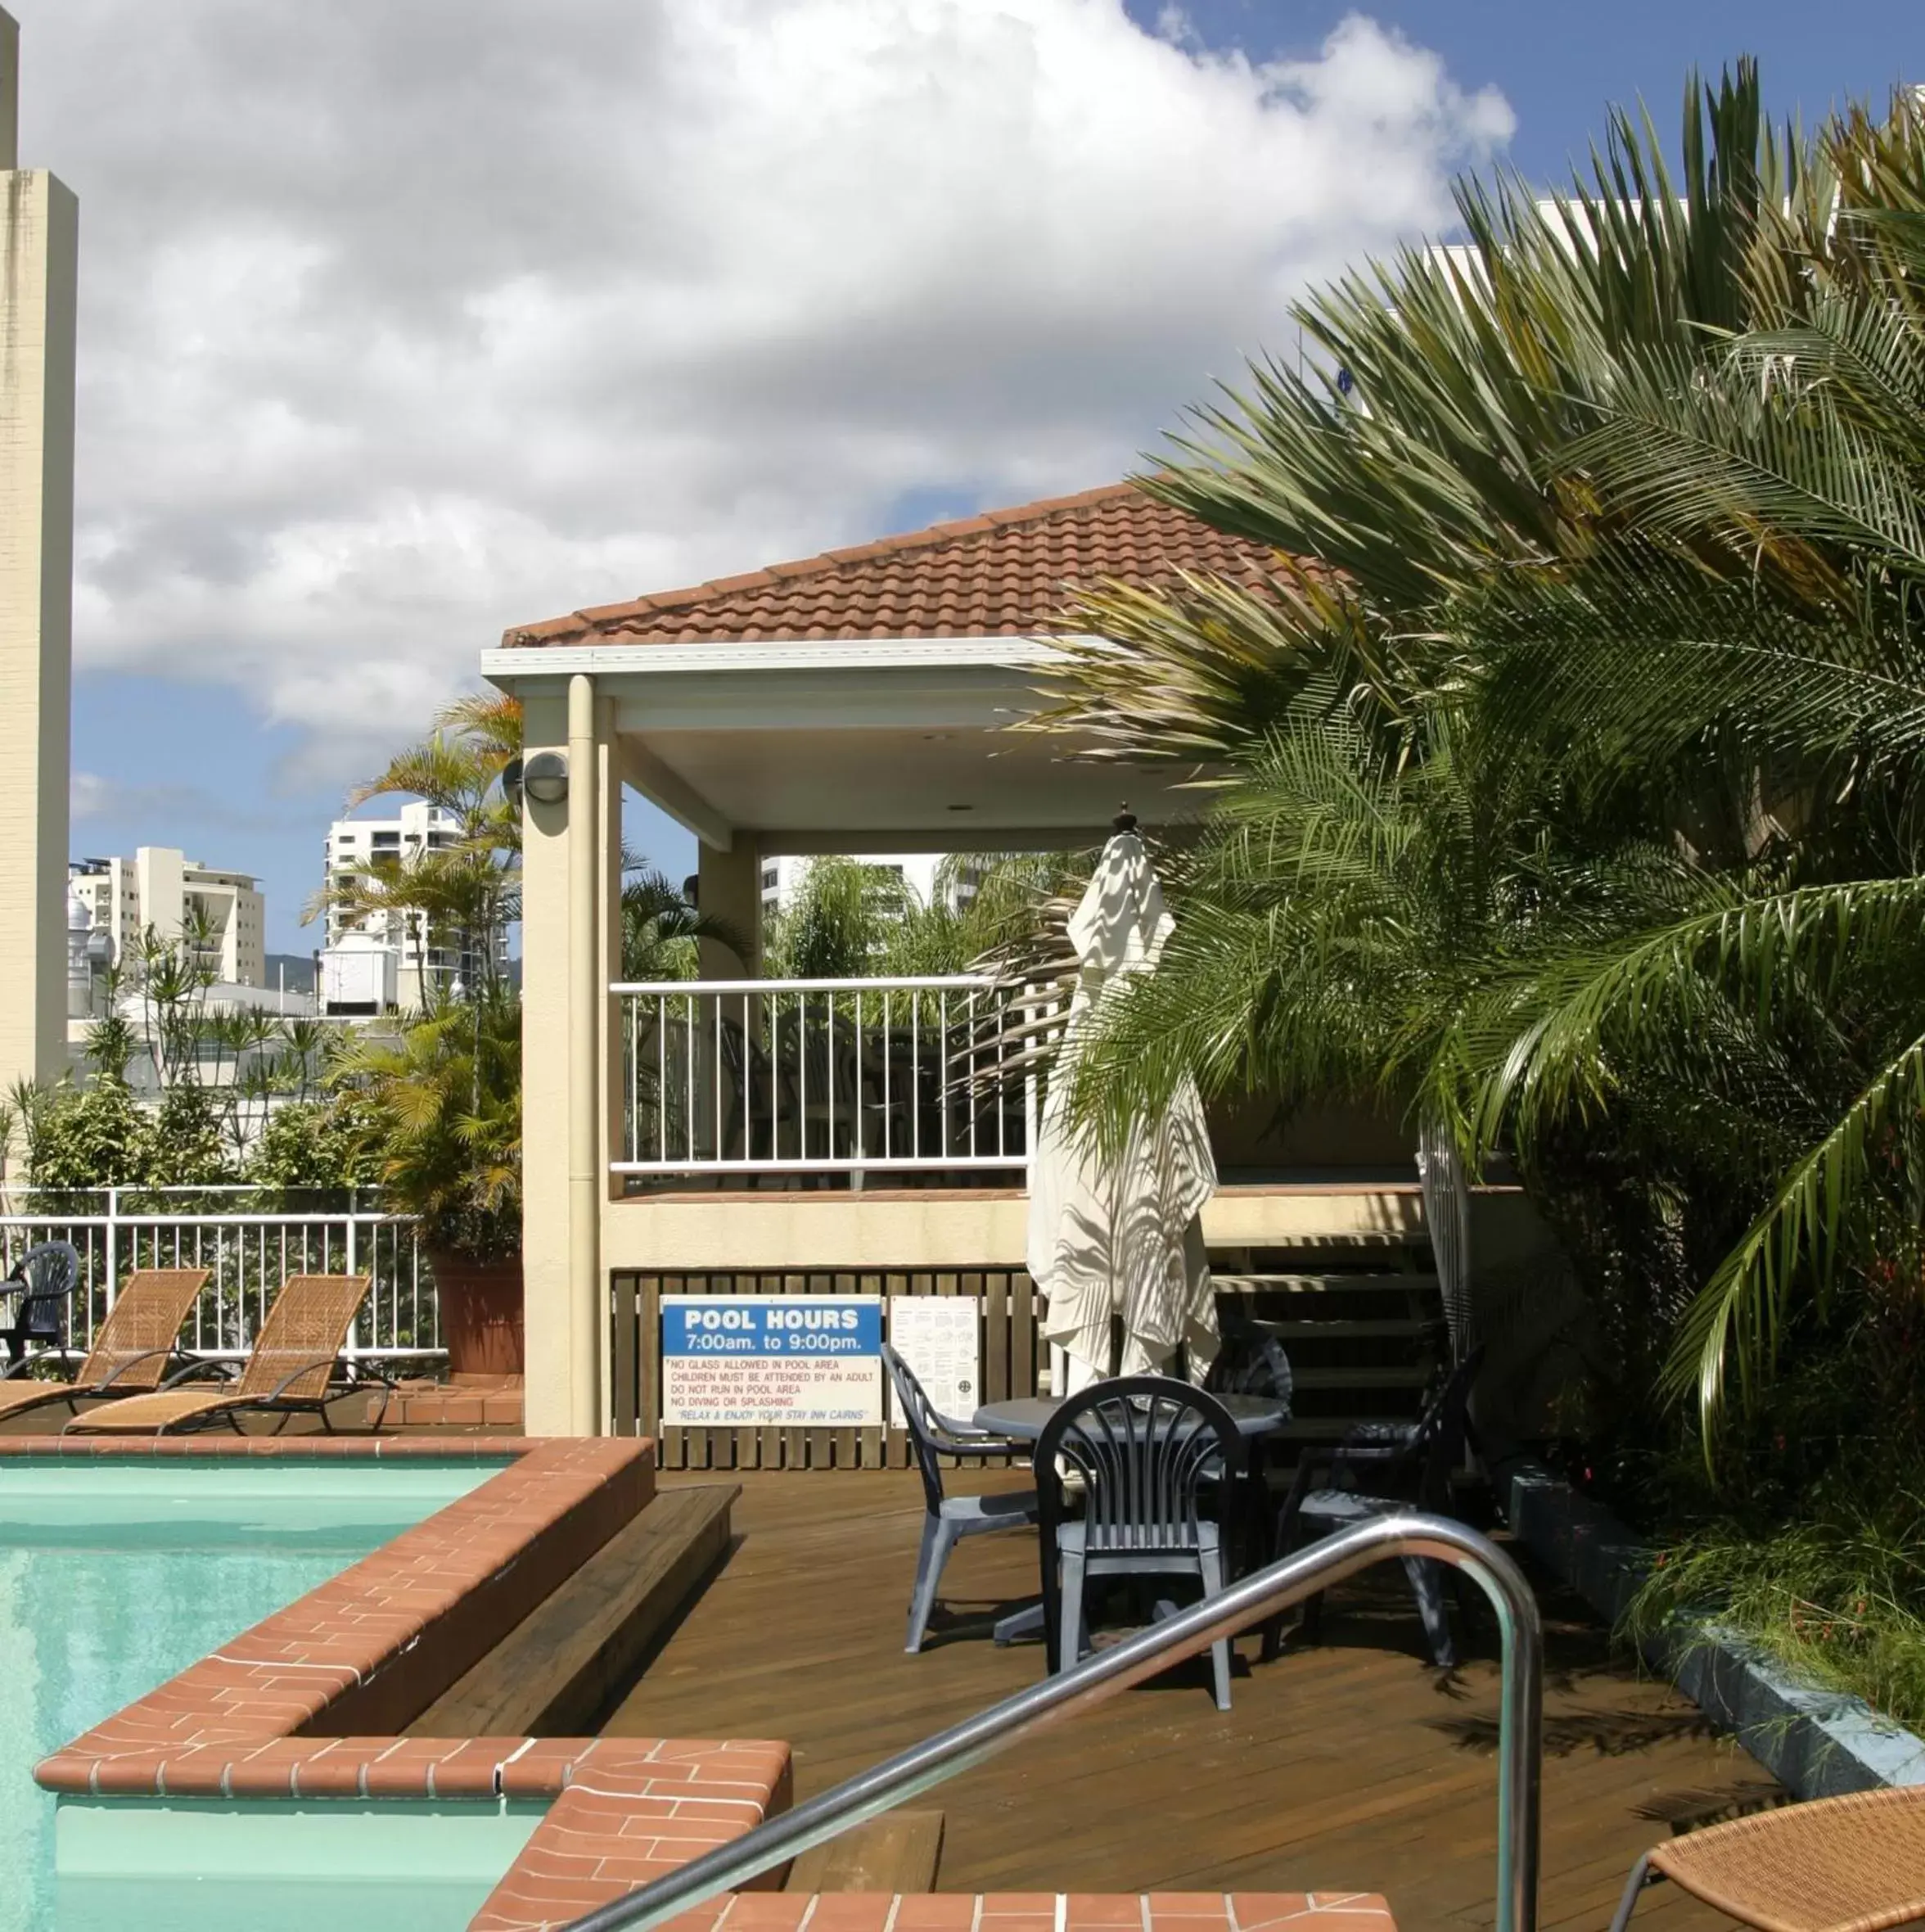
point(38, 259)
point(972, 1228)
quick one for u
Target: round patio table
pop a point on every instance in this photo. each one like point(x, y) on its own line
point(1022, 1419)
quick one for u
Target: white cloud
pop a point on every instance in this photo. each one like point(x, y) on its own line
point(404, 322)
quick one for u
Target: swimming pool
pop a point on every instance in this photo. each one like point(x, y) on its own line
point(115, 1575)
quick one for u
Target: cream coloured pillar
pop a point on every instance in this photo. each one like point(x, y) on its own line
point(549, 1408)
point(586, 995)
point(731, 888)
point(38, 259)
point(570, 856)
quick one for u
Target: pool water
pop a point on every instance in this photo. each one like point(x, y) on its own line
point(114, 1577)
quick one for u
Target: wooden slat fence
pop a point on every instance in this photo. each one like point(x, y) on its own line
point(1009, 1356)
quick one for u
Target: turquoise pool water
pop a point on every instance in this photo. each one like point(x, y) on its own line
point(114, 1577)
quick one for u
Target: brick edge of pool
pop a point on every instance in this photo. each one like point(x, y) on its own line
point(292, 1708)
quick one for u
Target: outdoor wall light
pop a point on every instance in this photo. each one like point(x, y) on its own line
point(543, 777)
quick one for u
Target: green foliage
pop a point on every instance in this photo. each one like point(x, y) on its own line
point(661, 928)
point(316, 1143)
point(95, 1136)
point(1580, 810)
point(838, 925)
point(467, 893)
point(438, 1110)
point(853, 919)
point(1837, 1595)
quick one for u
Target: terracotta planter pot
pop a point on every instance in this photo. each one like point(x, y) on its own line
point(480, 1314)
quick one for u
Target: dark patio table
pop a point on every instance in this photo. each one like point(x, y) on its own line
point(1023, 1417)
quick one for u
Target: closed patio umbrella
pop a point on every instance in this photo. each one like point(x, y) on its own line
point(1121, 1236)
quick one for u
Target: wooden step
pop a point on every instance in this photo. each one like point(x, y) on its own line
point(1390, 1328)
point(553, 1674)
point(1389, 1376)
point(899, 1852)
point(1325, 1284)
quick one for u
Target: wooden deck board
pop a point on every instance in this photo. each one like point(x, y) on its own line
point(1347, 1766)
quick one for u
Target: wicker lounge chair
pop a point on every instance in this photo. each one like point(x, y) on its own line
point(130, 1353)
point(1855, 1864)
point(288, 1371)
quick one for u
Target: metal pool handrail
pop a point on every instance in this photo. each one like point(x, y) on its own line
point(909, 1773)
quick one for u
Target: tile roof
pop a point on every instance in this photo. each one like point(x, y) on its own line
point(1002, 574)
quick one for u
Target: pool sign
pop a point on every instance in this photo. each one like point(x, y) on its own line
point(940, 1337)
point(772, 1361)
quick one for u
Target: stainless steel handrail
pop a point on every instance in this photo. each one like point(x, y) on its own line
point(909, 1773)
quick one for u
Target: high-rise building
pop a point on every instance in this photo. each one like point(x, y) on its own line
point(426, 961)
point(162, 890)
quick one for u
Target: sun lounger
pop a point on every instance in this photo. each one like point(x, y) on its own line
point(1853, 1864)
point(130, 1353)
point(288, 1371)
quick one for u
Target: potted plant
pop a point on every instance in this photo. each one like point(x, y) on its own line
point(440, 1096)
point(440, 1107)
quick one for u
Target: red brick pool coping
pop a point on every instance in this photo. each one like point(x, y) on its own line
point(309, 1703)
point(1008, 1911)
point(306, 1705)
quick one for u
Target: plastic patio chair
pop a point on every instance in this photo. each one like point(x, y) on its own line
point(290, 1369)
point(1144, 1448)
point(948, 1519)
point(132, 1348)
point(1409, 1466)
point(1251, 1361)
point(1852, 1864)
point(45, 1277)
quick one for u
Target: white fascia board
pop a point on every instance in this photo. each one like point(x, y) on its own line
point(509, 668)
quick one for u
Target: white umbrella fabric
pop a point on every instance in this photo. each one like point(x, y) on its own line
point(1122, 1237)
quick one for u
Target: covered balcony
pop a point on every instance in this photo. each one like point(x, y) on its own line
point(743, 1128)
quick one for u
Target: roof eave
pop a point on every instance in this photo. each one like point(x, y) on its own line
point(516, 664)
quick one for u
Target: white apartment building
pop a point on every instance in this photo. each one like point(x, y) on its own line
point(160, 888)
point(424, 961)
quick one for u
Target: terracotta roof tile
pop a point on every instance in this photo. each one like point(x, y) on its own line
point(1005, 573)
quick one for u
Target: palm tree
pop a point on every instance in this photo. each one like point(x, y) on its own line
point(469, 889)
point(1572, 795)
point(661, 927)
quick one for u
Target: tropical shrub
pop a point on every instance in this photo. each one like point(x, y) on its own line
point(1572, 797)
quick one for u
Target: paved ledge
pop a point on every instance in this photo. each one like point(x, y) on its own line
point(1003, 1912)
point(1818, 1744)
point(314, 1448)
point(366, 1651)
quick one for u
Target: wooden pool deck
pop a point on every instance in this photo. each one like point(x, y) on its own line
point(1348, 1766)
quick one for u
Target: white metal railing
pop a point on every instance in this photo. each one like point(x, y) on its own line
point(819, 1076)
point(247, 1254)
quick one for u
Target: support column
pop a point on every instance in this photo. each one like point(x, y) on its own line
point(585, 994)
point(38, 256)
point(731, 888)
point(545, 1237)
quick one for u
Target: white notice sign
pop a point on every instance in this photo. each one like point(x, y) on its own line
point(940, 1337)
point(771, 1361)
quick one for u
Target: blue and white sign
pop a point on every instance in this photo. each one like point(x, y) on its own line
point(772, 1361)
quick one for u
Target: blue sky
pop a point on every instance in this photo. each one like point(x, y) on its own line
point(213, 718)
point(1558, 63)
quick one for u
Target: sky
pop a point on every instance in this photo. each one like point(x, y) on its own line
point(403, 321)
